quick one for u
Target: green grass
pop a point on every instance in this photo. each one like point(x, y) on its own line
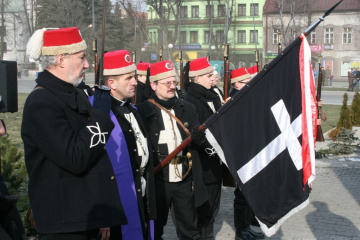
point(333, 113)
point(13, 121)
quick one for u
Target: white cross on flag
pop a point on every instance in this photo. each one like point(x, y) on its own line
point(266, 136)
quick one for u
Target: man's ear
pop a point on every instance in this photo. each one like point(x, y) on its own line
point(110, 83)
point(153, 85)
point(60, 60)
point(196, 79)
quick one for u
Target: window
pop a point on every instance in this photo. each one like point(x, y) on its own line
point(253, 36)
point(347, 35)
point(276, 36)
point(208, 11)
point(207, 37)
point(221, 10)
point(195, 11)
point(193, 36)
point(183, 12)
point(254, 9)
point(220, 36)
point(329, 35)
point(241, 10)
point(241, 36)
point(313, 38)
point(183, 36)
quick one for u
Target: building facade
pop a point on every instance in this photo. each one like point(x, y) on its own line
point(336, 39)
point(202, 29)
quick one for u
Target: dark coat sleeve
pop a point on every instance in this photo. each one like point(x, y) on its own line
point(61, 142)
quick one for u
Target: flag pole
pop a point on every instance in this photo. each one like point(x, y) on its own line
point(214, 116)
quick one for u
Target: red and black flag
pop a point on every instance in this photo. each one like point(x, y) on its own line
point(266, 136)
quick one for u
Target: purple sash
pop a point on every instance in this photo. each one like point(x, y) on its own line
point(118, 153)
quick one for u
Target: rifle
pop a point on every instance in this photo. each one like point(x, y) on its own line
point(103, 41)
point(226, 70)
point(161, 53)
point(133, 99)
point(279, 43)
point(181, 71)
point(320, 114)
point(258, 67)
point(94, 47)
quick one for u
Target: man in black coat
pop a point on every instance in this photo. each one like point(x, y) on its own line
point(198, 75)
point(129, 149)
point(72, 188)
point(141, 72)
point(179, 184)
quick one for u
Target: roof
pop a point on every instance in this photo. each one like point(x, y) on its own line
point(271, 6)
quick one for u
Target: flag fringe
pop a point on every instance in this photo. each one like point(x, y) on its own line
point(271, 231)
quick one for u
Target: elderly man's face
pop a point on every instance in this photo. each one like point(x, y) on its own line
point(165, 88)
point(76, 66)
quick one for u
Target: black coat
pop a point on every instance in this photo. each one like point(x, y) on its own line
point(71, 183)
point(186, 113)
point(147, 205)
point(199, 96)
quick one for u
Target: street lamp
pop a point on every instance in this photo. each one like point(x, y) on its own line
point(170, 46)
point(142, 51)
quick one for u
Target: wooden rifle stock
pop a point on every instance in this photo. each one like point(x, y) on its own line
point(133, 99)
point(226, 71)
point(96, 61)
point(174, 153)
point(319, 133)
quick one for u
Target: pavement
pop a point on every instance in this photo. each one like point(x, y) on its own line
point(333, 211)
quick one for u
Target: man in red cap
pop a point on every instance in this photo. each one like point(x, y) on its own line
point(141, 72)
point(179, 184)
point(198, 79)
point(242, 212)
point(239, 78)
point(128, 149)
point(72, 191)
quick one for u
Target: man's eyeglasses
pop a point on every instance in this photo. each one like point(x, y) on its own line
point(168, 84)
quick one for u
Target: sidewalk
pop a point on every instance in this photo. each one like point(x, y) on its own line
point(333, 212)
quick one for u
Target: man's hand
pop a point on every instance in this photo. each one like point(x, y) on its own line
point(105, 233)
point(198, 136)
point(224, 101)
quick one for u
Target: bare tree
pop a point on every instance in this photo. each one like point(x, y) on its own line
point(290, 20)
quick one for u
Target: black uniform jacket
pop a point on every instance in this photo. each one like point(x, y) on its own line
point(185, 112)
point(140, 92)
point(199, 96)
point(146, 207)
point(71, 183)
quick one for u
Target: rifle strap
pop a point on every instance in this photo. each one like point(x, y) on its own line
point(171, 115)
